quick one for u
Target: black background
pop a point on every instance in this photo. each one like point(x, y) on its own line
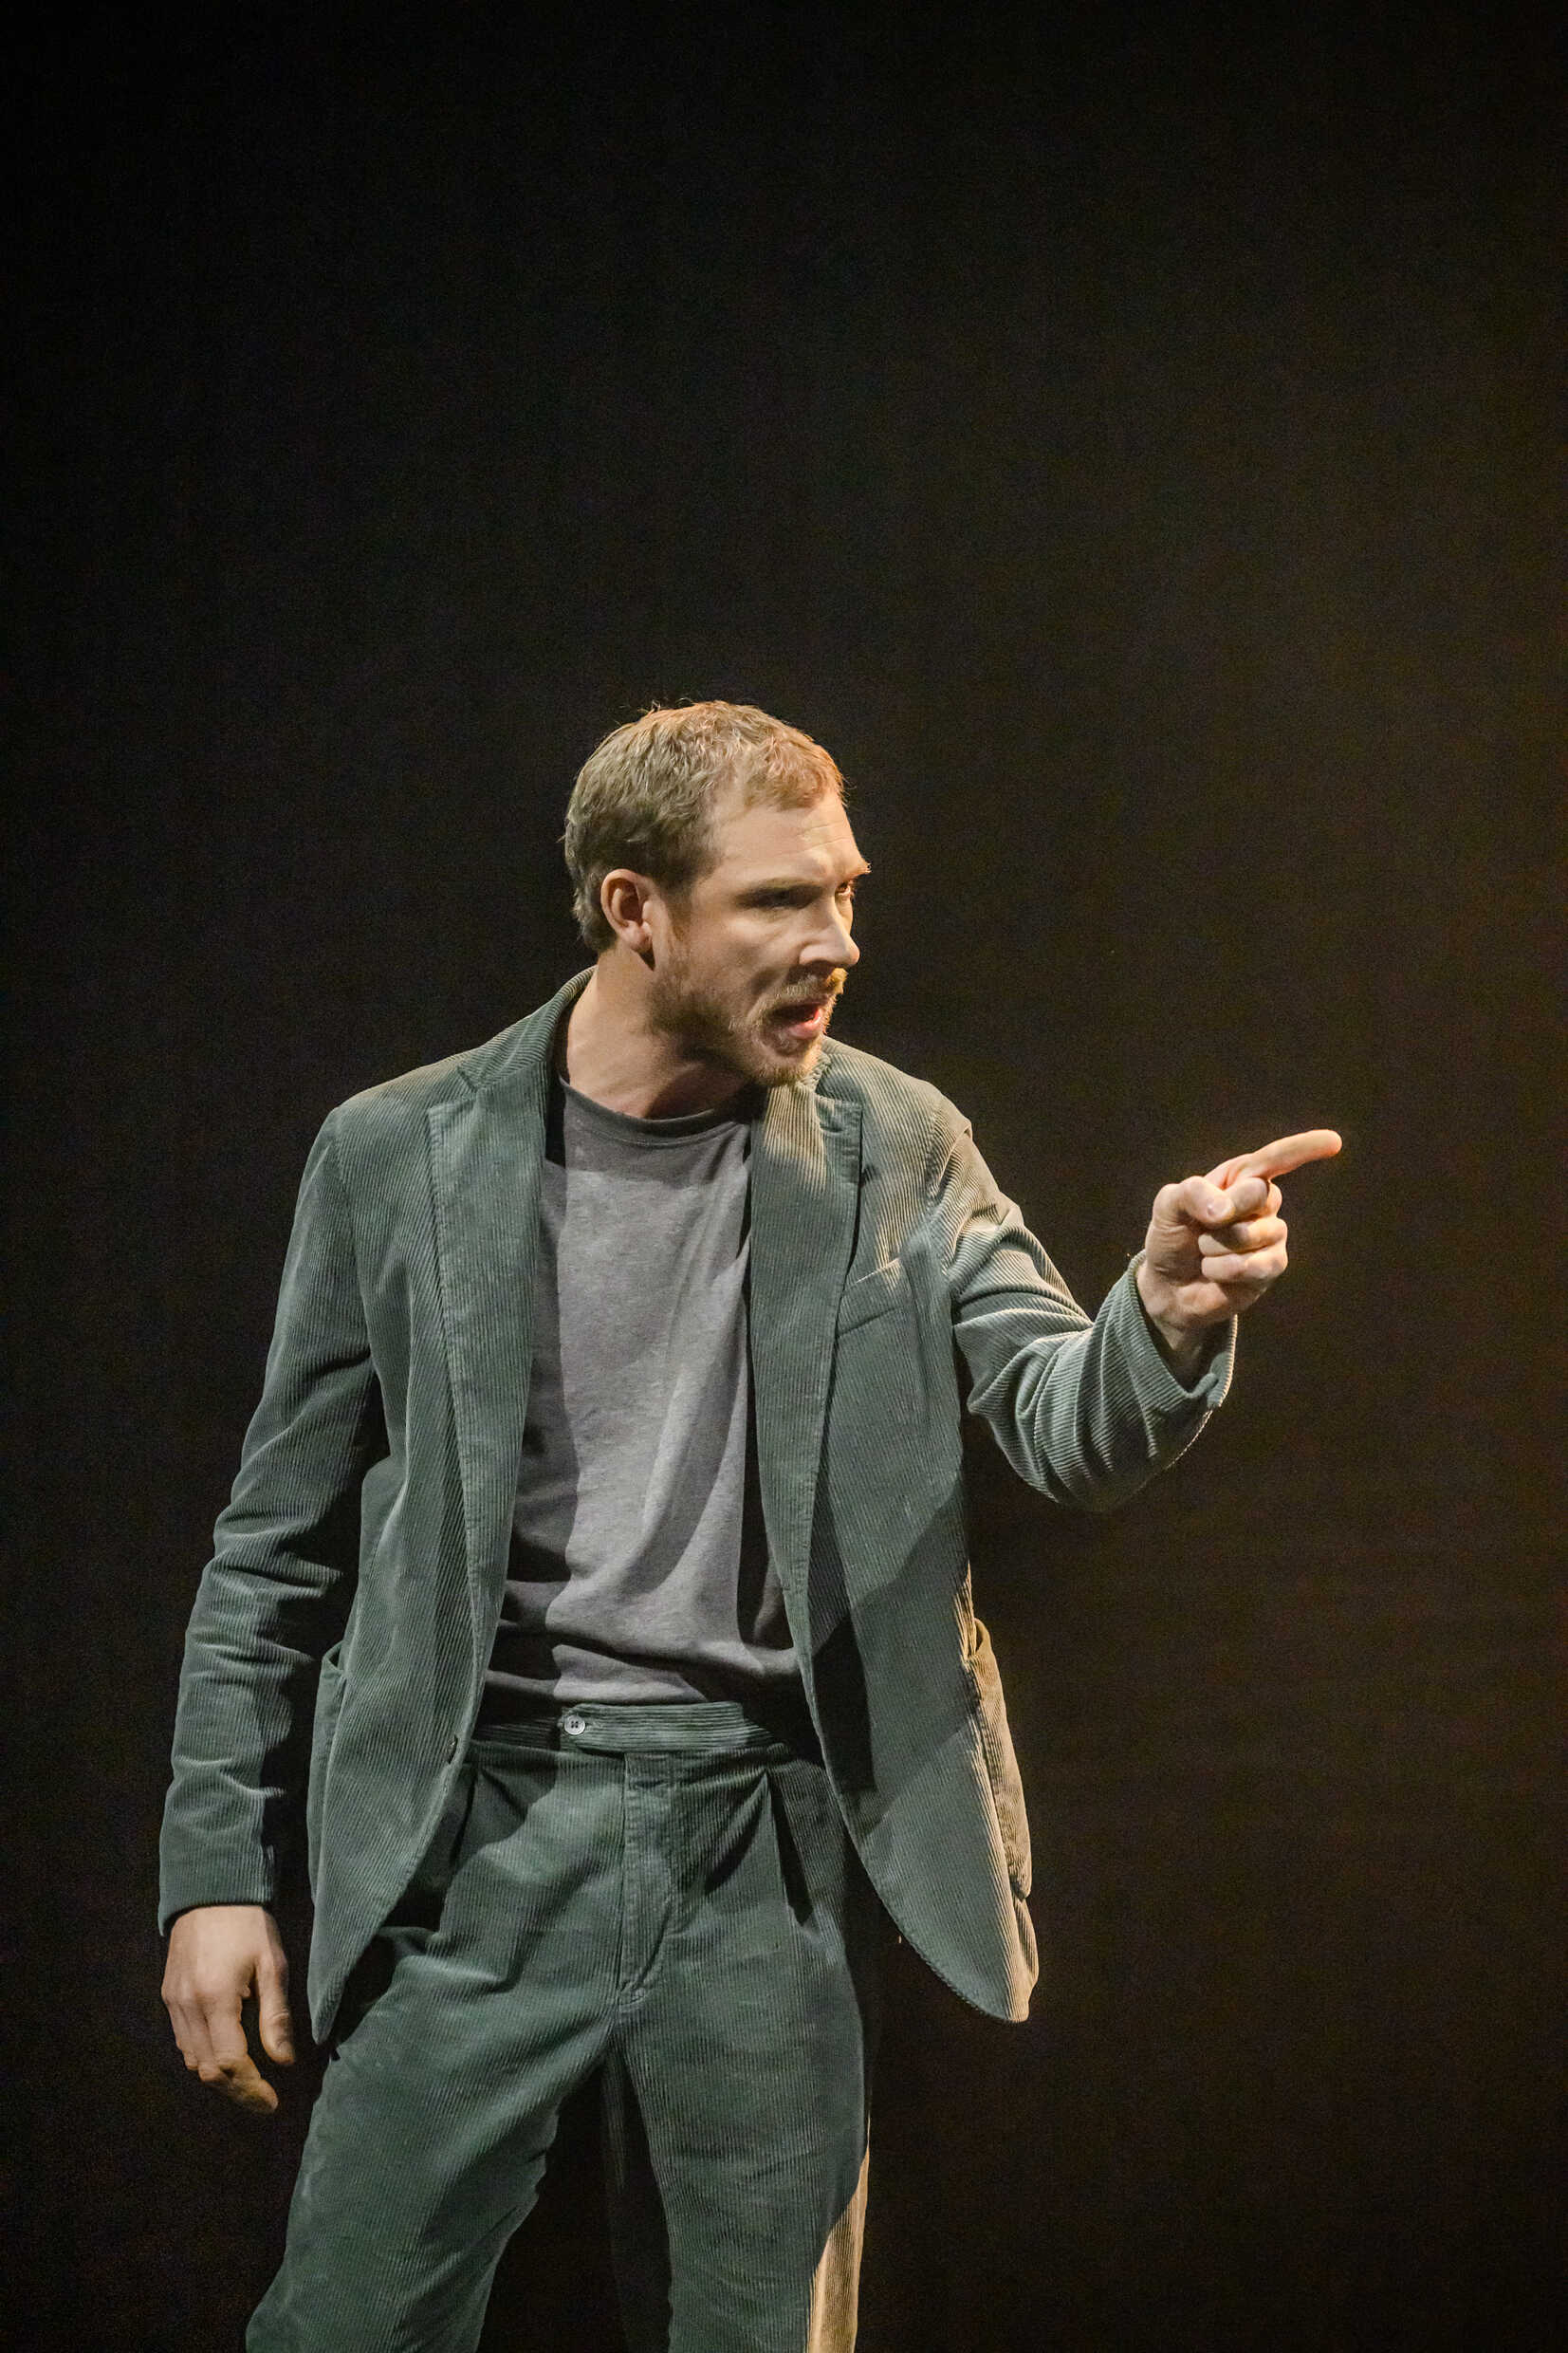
point(1123, 439)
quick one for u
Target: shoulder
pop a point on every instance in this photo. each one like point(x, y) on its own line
point(903, 1108)
point(509, 1057)
point(412, 1093)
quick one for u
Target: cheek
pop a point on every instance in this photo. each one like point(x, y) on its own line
point(751, 966)
point(723, 972)
point(738, 966)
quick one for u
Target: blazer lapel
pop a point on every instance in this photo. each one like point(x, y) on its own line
point(485, 1155)
point(805, 1173)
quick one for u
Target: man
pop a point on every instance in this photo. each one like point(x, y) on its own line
point(596, 1567)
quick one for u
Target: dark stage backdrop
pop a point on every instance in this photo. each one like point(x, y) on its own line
point(1123, 441)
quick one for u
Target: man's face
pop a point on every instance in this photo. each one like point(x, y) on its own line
point(748, 961)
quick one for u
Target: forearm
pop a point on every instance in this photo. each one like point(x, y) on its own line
point(275, 1595)
point(1087, 1410)
point(240, 1744)
point(1091, 1416)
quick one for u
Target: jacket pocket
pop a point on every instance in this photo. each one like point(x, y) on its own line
point(871, 1295)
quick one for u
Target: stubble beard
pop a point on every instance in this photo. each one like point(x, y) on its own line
point(701, 1025)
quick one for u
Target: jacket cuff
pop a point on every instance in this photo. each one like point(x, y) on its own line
point(1158, 1382)
point(210, 1883)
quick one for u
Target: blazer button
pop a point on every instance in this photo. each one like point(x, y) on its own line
point(451, 1748)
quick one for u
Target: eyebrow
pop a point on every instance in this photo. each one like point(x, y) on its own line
point(801, 882)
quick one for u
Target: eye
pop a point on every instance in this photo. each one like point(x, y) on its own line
point(787, 895)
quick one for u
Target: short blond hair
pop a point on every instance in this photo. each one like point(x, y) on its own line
point(644, 799)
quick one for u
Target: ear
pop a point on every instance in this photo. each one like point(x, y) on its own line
point(626, 899)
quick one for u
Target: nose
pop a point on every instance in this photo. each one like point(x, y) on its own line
point(837, 944)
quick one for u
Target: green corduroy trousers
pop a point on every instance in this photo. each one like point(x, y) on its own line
point(667, 1895)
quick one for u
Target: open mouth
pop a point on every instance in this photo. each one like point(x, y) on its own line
point(802, 1021)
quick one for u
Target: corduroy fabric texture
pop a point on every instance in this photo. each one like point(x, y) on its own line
point(361, 1559)
point(663, 1892)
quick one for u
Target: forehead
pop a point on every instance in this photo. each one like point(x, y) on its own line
point(817, 841)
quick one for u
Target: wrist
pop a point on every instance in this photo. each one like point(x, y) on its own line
point(1181, 1341)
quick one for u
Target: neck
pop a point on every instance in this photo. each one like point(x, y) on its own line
point(614, 1055)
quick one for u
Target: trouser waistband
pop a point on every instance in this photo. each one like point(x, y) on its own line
point(698, 1727)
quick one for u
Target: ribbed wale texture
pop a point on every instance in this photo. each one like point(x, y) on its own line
point(371, 1516)
point(689, 1917)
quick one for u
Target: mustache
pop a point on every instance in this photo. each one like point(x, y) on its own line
point(807, 999)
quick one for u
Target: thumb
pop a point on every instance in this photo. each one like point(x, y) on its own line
point(274, 2023)
point(1194, 1202)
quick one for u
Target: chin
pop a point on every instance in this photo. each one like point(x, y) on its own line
point(760, 1065)
point(784, 1072)
point(737, 1042)
point(773, 1065)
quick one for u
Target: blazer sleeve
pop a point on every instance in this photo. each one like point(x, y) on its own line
point(275, 1595)
point(1085, 1410)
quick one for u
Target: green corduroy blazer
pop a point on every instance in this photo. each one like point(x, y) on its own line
point(341, 1631)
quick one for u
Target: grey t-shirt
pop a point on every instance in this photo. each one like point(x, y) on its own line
point(638, 1566)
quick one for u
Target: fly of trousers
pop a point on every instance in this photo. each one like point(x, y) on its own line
point(665, 1896)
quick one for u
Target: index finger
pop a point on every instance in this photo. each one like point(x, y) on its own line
point(1279, 1158)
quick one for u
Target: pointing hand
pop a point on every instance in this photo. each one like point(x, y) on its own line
point(1217, 1242)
